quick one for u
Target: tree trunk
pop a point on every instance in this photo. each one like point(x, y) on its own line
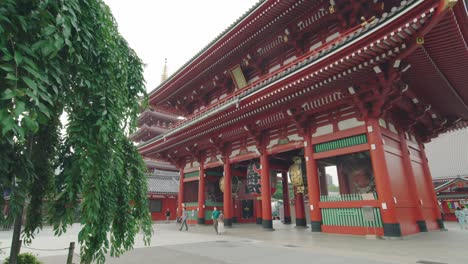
point(15, 240)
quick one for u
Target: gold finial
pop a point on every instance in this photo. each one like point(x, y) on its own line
point(164, 73)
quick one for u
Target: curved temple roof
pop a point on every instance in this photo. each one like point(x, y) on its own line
point(429, 73)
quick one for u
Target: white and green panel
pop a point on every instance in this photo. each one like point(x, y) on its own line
point(191, 174)
point(349, 217)
point(340, 143)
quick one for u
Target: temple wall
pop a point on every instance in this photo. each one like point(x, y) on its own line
point(425, 196)
point(402, 194)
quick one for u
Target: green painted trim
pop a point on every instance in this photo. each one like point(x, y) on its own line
point(214, 173)
point(208, 214)
point(191, 204)
point(341, 143)
point(211, 203)
point(191, 174)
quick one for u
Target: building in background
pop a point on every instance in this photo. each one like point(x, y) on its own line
point(448, 160)
point(163, 176)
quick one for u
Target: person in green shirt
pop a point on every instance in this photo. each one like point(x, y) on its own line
point(215, 216)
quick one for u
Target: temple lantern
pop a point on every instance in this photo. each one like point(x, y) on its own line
point(253, 179)
point(297, 175)
point(235, 186)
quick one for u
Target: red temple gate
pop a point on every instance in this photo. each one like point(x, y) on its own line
point(358, 86)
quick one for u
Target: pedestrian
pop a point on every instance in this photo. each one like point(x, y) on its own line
point(460, 214)
point(465, 210)
point(183, 220)
point(168, 215)
point(215, 216)
point(221, 229)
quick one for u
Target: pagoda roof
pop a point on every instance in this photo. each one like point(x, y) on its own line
point(253, 25)
point(163, 184)
point(160, 166)
point(150, 115)
point(146, 131)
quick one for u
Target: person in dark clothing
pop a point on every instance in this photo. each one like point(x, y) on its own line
point(168, 215)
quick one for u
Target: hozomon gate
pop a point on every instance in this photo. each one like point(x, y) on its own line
point(355, 85)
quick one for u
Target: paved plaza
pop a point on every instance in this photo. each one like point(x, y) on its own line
point(248, 243)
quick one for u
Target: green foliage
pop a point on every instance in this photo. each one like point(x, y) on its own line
point(24, 258)
point(67, 57)
point(279, 191)
point(333, 188)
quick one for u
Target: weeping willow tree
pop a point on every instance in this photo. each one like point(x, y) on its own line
point(66, 56)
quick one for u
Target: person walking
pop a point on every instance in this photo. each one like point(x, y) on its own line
point(183, 220)
point(465, 210)
point(221, 229)
point(168, 215)
point(215, 216)
point(460, 214)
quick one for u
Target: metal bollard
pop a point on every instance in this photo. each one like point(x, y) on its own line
point(71, 249)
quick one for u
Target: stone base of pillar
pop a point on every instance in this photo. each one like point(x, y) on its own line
point(287, 219)
point(301, 222)
point(201, 221)
point(258, 221)
point(267, 224)
point(440, 222)
point(422, 225)
point(234, 219)
point(227, 222)
point(392, 229)
point(316, 226)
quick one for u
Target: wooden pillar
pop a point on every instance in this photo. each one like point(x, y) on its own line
point(411, 180)
point(227, 195)
point(258, 211)
point(382, 180)
point(323, 181)
point(201, 194)
point(430, 187)
point(267, 221)
point(181, 191)
point(286, 204)
point(342, 181)
point(313, 186)
point(299, 207)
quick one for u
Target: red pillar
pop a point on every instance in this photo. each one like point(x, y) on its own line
point(299, 207)
point(258, 211)
point(382, 179)
point(267, 222)
point(313, 186)
point(227, 195)
point(411, 180)
point(181, 191)
point(287, 209)
point(430, 185)
point(201, 195)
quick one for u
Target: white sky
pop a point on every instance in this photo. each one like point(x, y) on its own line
point(174, 29)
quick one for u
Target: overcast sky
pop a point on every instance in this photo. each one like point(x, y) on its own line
point(175, 29)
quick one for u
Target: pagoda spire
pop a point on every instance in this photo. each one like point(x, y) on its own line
point(164, 73)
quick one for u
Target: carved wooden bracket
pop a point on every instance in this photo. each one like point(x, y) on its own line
point(260, 137)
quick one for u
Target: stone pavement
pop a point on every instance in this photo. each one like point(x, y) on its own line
point(248, 243)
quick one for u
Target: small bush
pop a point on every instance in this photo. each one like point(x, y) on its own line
point(25, 258)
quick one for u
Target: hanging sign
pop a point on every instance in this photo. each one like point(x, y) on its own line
point(253, 177)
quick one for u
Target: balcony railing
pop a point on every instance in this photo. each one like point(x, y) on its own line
point(348, 197)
